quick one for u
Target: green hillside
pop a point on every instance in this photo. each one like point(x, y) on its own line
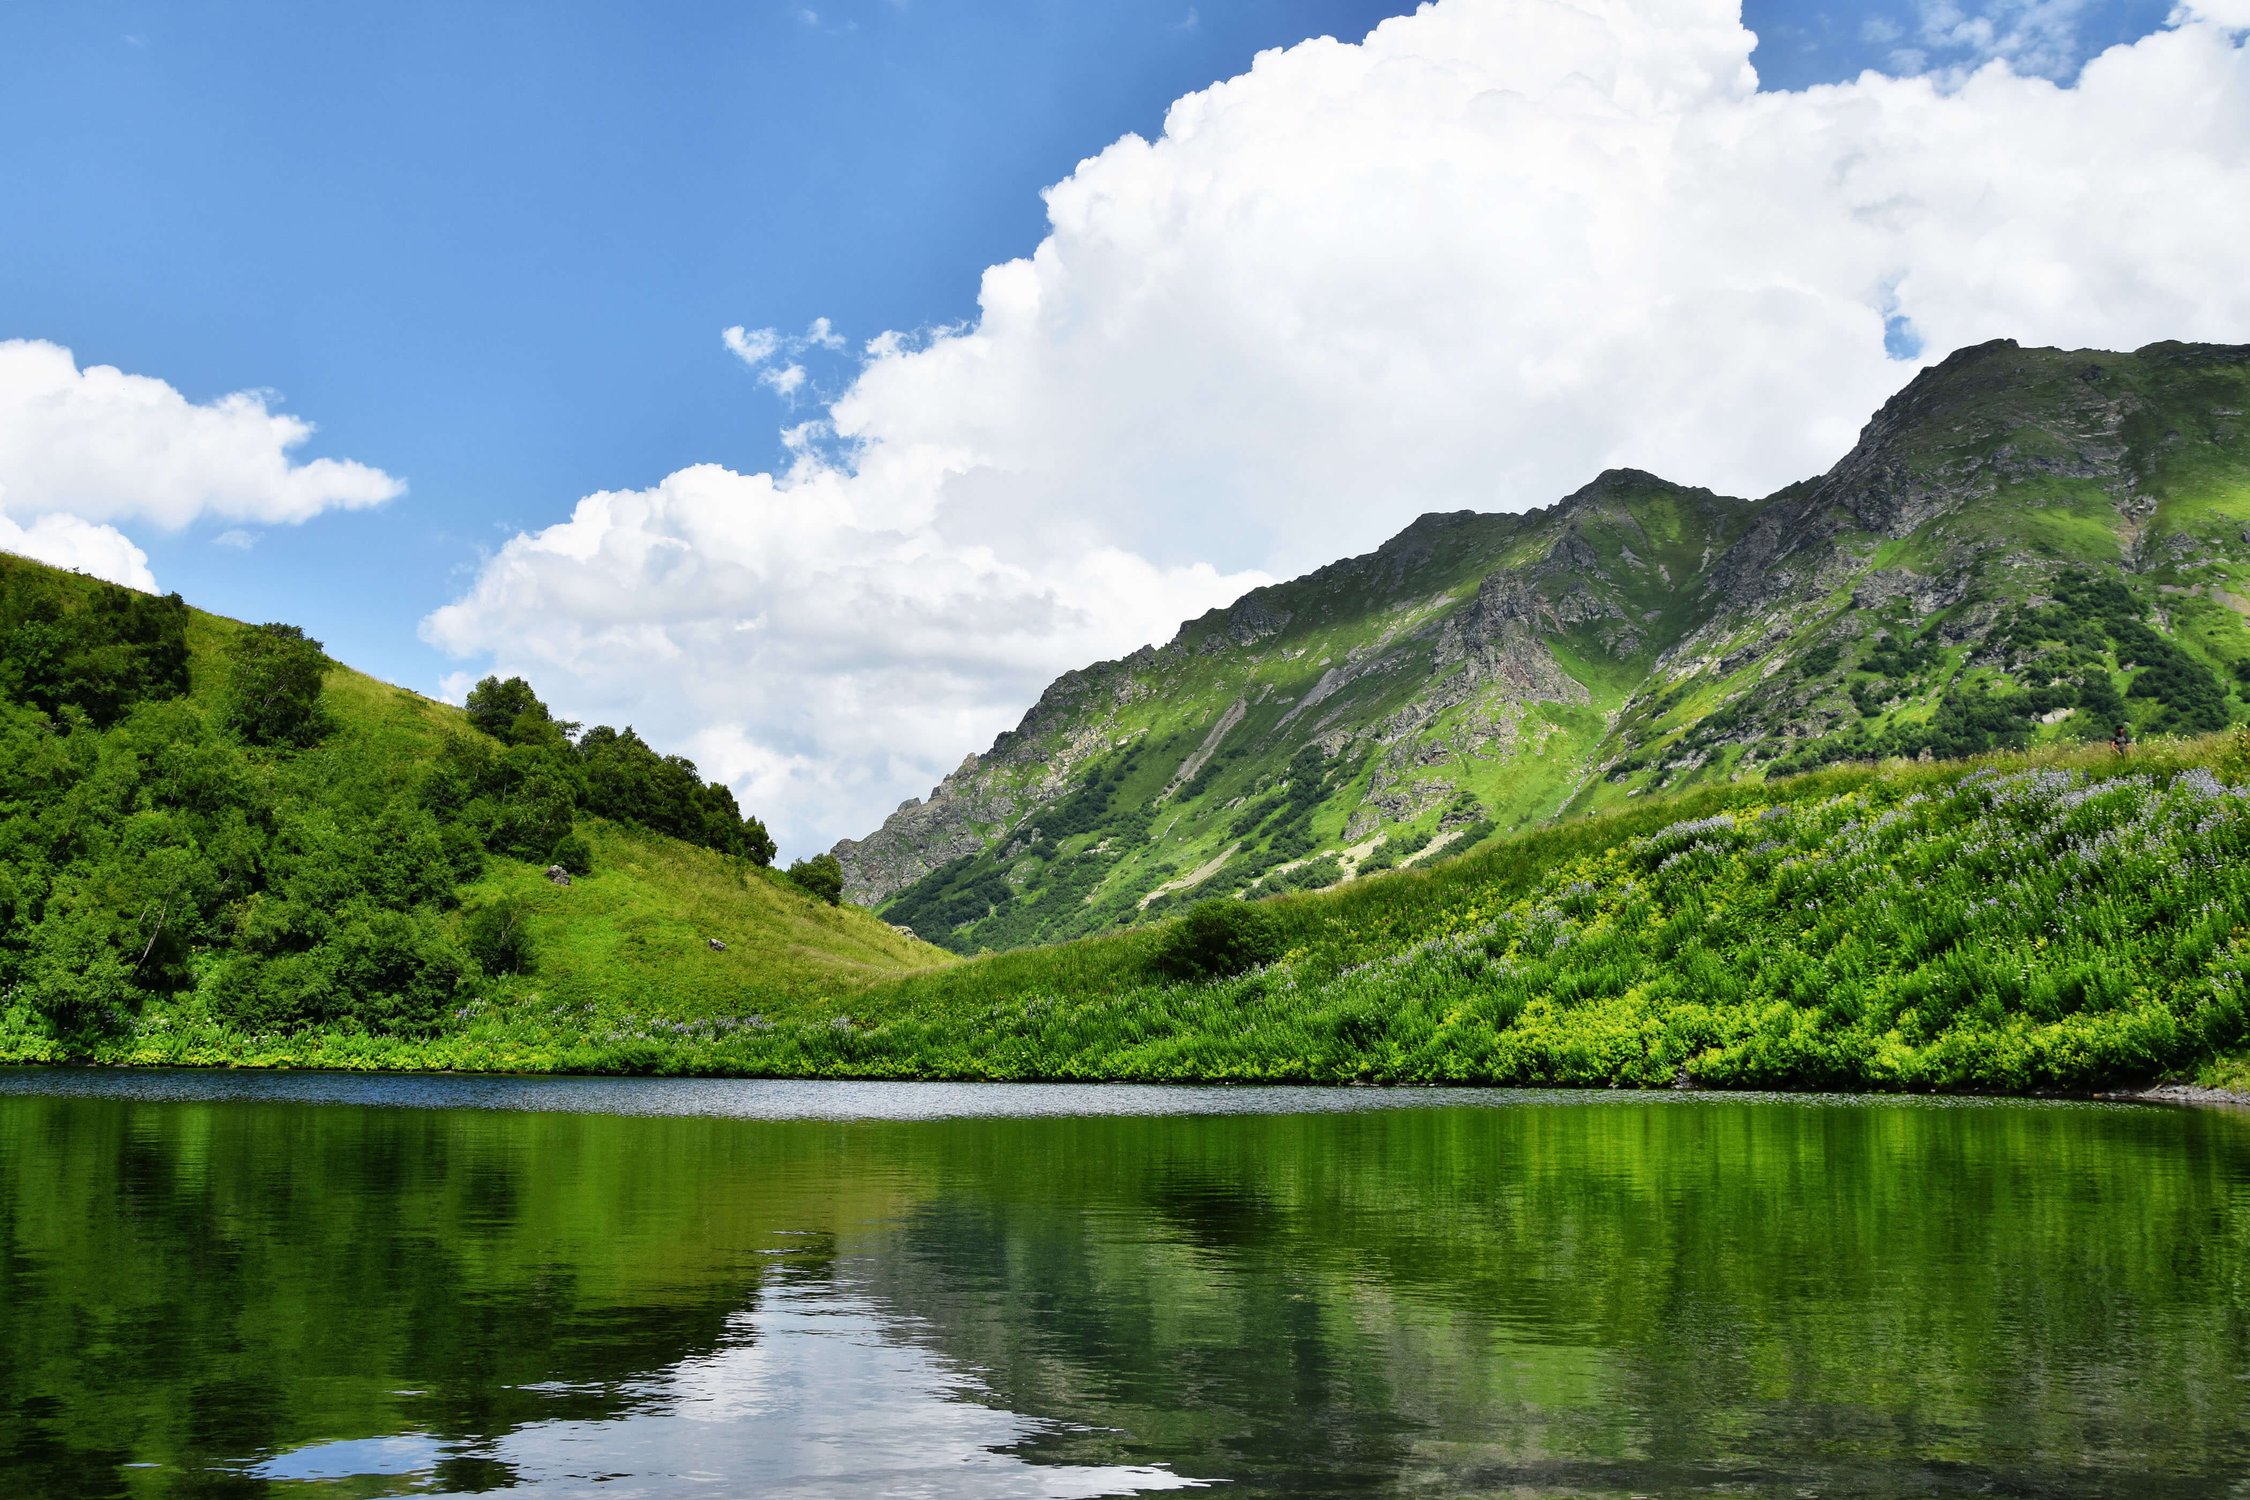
point(2026, 548)
point(214, 842)
point(2060, 920)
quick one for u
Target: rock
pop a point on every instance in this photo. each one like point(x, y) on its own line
point(715, 945)
point(558, 875)
point(904, 931)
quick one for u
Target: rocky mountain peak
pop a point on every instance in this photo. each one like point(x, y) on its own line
point(2021, 543)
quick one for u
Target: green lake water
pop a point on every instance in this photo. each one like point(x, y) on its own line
point(217, 1285)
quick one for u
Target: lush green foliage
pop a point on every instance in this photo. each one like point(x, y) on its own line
point(2076, 921)
point(284, 851)
point(820, 876)
point(498, 936)
point(96, 651)
point(274, 673)
point(1216, 940)
point(529, 790)
point(573, 854)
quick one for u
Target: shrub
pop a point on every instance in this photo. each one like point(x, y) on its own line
point(273, 687)
point(498, 937)
point(1216, 940)
point(395, 971)
point(820, 876)
point(511, 713)
point(574, 854)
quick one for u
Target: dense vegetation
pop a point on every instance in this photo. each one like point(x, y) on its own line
point(2070, 920)
point(207, 825)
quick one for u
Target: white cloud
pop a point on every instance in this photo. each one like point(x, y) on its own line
point(103, 445)
point(759, 347)
point(67, 542)
point(1468, 262)
point(813, 640)
point(83, 448)
point(752, 346)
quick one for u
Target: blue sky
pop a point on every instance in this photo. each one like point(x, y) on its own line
point(489, 249)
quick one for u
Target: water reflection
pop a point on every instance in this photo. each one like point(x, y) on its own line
point(809, 1394)
point(1571, 1296)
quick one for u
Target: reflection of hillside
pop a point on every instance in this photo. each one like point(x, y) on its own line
point(1588, 1296)
point(190, 1285)
point(1640, 1295)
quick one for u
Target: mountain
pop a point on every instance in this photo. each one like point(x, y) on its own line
point(217, 845)
point(2024, 546)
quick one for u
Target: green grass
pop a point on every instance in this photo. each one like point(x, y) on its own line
point(640, 927)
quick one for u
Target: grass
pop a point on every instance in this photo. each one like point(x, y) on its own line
point(642, 923)
point(2057, 920)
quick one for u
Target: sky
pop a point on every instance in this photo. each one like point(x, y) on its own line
point(808, 385)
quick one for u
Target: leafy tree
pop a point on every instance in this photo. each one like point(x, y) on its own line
point(1217, 940)
point(273, 687)
point(537, 796)
point(511, 713)
point(820, 876)
point(498, 937)
point(628, 781)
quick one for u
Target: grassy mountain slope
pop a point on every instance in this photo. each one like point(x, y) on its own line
point(169, 890)
point(2027, 547)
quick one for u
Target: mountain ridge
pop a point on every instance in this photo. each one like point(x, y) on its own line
point(1480, 672)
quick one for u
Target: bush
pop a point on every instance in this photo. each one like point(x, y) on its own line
point(1217, 940)
point(396, 973)
point(273, 687)
point(574, 854)
point(511, 713)
point(820, 876)
point(498, 937)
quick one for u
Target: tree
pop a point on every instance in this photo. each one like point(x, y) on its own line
point(511, 713)
point(498, 937)
point(273, 687)
point(820, 876)
point(1217, 940)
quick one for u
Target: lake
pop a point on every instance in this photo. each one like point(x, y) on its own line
point(315, 1285)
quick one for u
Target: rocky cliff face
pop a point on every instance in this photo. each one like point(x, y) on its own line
point(2024, 544)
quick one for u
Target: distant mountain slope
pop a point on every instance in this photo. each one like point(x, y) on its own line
point(377, 870)
point(2024, 546)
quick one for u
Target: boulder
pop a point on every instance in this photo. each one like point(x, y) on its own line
point(558, 874)
point(716, 946)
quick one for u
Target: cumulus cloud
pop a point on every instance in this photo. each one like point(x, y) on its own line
point(814, 640)
point(67, 542)
point(1469, 261)
point(83, 448)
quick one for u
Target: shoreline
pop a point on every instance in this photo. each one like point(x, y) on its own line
point(2178, 1094)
